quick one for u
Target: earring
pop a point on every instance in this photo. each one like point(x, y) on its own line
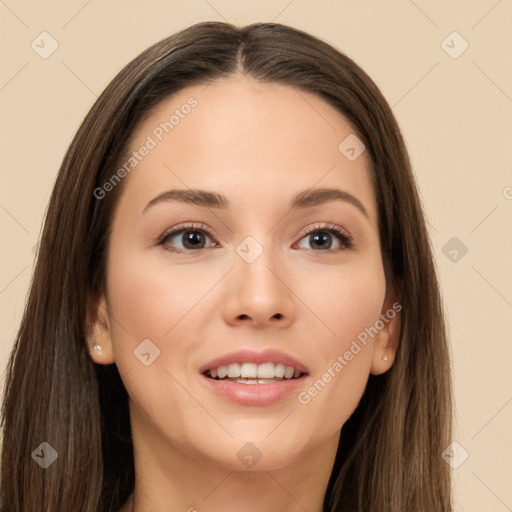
point(97, 348)
point(384, 358)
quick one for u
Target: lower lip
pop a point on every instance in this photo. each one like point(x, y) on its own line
point(254, 394)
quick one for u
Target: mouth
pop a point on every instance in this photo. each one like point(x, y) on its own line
point(254, 378)
point(252, 373)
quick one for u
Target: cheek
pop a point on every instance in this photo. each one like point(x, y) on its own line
point(156, 303)
point(349, 302)
point(148, 299)
point(345, 299)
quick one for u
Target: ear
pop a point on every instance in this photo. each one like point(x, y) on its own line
point(386, 340)
point(99, 330)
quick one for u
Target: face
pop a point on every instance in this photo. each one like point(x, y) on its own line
point(199, 285)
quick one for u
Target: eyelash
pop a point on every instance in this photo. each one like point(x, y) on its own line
point(339, 233)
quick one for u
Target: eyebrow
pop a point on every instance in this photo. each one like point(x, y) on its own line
point(305, 199)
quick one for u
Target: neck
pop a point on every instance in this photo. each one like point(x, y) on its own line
point(167, 478)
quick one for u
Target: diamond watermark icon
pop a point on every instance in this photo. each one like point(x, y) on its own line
point(249, 455)
point(351, 147)
point(147, 352)
point(249, 249)
point(44, 45)
point(45, 455)
point(455, 455)
point(454, 45)
point(454, 249)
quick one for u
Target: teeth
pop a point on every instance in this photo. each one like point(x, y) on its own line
point(266, 371)
point(249, 370)
point(222, 371)
point(233, 370)
point(257, 373)
point(280, 370)
point(256, 381)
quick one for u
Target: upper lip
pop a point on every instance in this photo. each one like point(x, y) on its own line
point(268, 355)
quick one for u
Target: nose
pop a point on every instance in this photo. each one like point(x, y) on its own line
point(258, 294)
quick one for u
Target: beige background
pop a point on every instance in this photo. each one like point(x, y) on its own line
point(455, 114)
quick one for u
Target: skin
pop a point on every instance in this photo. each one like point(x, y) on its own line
point(258, 144)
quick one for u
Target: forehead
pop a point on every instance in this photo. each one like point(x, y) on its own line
point(250, 140)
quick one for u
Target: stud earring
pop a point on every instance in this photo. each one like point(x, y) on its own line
point(97, 348)
point(384, 358)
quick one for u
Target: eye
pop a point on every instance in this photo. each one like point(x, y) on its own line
point(322, 238)
point(192, 237)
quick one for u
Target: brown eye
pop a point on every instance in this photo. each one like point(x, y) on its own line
point(187, 238)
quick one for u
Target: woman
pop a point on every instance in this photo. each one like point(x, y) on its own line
point(235, 304)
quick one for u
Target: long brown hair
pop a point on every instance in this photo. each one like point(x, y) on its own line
point(389, 455)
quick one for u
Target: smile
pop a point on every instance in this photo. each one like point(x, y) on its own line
point(252, 373)
point(252, 377)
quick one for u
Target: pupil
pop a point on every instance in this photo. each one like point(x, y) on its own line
point(193, 238)
point(323, 240)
